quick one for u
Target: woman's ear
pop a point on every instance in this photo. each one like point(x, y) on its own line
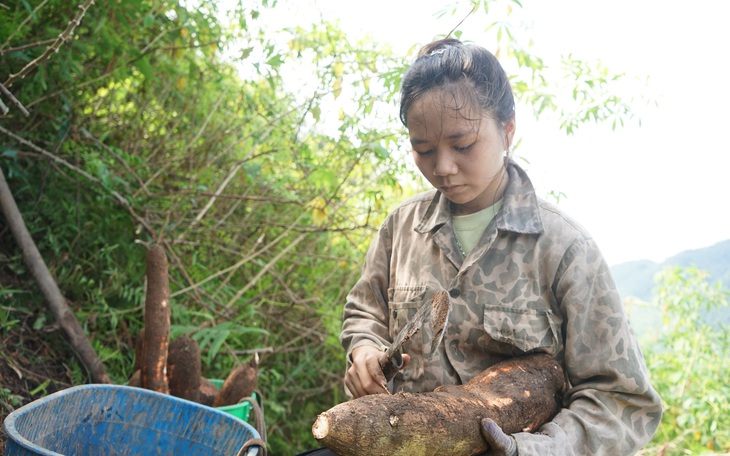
point(509, 132)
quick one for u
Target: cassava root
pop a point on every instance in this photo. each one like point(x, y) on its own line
point(519, 394)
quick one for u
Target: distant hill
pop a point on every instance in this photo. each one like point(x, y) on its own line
point(636, 279)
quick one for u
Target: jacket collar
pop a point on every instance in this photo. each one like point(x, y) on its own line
point(520, 211)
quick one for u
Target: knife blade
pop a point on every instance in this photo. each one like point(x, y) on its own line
point(430, 317)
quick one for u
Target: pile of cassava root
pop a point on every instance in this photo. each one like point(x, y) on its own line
point(519, 394)
point(174, 367)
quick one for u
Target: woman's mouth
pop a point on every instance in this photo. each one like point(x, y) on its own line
point(451, 189)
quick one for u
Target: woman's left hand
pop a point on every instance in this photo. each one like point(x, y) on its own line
point(500, 444)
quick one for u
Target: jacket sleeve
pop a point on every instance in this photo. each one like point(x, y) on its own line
point(610, 408)
point(366, 318)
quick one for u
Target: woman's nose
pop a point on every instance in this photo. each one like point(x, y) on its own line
point(445, 164)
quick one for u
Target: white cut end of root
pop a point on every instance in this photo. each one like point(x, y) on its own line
point(393, 420)
point(321, 427)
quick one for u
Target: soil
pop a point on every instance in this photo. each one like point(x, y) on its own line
point(33, 363)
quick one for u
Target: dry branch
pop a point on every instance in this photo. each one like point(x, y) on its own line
point(11, 97)
point(519, 394)
point(55, 300)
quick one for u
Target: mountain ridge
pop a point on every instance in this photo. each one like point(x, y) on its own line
point(636, 278)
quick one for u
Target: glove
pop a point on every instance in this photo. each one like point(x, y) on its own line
point(500, 444)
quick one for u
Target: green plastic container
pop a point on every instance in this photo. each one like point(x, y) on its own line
point(240, 410)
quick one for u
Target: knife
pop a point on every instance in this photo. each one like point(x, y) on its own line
point(431, 316)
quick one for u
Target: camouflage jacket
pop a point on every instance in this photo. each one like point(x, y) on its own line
point(536, 282)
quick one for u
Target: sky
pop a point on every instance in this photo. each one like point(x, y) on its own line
point(645, 191)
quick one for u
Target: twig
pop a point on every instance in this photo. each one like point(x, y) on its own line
point(233, 267)
point(86, 134)
point(27, 46)
point(471, 11)
point(27, 19)
point(62, 38)
point(219, 191)
point(263, 270)
point(15, 101)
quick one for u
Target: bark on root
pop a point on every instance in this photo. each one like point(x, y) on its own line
point(183, 368)
point(156, 322)
point(519, 394)
point(239, 384)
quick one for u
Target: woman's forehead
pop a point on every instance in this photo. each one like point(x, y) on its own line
point(443, 107)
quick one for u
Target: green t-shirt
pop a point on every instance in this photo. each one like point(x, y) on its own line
point(469, 228)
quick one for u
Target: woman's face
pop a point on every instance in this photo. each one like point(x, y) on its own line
point(459, 150)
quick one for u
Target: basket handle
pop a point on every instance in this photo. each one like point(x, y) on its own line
point(260, 425)
point(252, 443)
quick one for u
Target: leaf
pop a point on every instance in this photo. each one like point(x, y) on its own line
point(245, 52)
point(323, 178)
point(319, 210)
point(218, 341)
point(275, 61)
point(338, 69)
point(144, 67)
point(337, 88)
point(316, 112)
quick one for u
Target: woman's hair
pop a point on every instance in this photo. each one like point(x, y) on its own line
point(471, 73)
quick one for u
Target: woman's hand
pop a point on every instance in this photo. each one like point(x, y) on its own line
point(365, 376)
point(500, 444)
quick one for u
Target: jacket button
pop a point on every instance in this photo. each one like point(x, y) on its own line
point(454, 293)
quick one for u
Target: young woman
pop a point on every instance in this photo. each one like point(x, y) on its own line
point(523, 277)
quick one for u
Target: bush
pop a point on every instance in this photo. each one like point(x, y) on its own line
point(688, 364)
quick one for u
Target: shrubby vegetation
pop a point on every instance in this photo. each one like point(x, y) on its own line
point(161, 123)
point(688, 362)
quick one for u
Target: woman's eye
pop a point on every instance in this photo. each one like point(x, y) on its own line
point(464, 149)
point(424, 152)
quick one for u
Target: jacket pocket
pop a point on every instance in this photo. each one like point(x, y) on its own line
point(526, 329)
point(404, 302)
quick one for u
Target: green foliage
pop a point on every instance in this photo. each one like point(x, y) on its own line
point(688, 364)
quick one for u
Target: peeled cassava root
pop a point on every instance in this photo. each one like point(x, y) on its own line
point(519, 394)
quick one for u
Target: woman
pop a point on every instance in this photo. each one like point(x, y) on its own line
point(522, 276)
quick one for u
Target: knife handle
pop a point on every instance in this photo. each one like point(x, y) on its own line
point(392, 365)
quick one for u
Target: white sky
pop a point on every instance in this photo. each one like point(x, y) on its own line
point(644, 192)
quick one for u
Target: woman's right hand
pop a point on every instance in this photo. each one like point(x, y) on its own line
point(365, 376)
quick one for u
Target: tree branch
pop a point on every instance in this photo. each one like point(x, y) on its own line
point(56, 302)
point(15, 101)
point(27, 46)
point(62, 38)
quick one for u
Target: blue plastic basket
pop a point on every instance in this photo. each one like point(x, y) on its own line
point(121, 420)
